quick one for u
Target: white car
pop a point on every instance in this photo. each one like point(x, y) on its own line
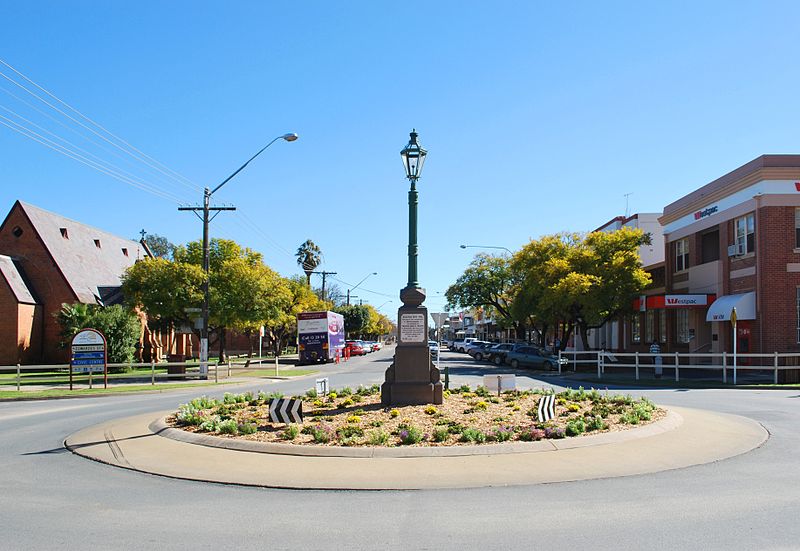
point(433, 346)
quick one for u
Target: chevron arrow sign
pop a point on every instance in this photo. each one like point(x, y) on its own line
point(286, 410)
point(546, 408)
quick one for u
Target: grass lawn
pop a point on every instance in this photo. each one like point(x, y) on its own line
point(61, 393)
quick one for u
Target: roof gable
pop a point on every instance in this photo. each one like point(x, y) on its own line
point(88, 257)
point(9, 271)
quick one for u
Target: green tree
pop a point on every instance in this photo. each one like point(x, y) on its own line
point(121, 327)
point(309, 256)
point(356, 319)
point(282, 327)
point(160, 246)
point(488, 283)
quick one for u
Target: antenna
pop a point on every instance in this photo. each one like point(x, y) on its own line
point(626, 203)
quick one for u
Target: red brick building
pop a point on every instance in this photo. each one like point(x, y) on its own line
point(736, 242)
point(47, 260)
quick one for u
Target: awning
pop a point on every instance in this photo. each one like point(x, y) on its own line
point(744, 303)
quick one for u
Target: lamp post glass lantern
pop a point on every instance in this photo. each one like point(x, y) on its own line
point(412, 378)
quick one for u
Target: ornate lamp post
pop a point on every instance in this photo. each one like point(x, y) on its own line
point(412, 378)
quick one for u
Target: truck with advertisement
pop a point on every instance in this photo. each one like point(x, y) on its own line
point(320, 337)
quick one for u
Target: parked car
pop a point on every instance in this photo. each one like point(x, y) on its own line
point(497, 353)
point(472, 346)
point(356, 348)
point(481, 352)
point(461, 345)
point(377, 345)
point(531, 356)
point(433, 346)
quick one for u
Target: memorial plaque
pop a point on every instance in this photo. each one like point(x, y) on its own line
point(412, 328)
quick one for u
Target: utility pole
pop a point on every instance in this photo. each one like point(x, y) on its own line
point(324, 274)
point(206, 209)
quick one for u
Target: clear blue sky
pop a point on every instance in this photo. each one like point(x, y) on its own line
point(538, 118)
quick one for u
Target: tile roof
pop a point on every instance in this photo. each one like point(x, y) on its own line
point(88, 257)
point(18, 286)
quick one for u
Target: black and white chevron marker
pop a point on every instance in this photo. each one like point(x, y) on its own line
point(286, 410)
point(546, 408)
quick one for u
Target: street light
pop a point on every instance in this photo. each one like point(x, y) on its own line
point(206, 208)
point(384, 304)
point(357, 284)
point(412, 378)
point(486, 247)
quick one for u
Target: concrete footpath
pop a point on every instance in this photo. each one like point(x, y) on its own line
point(684, 438)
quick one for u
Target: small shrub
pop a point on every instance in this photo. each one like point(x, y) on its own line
point(394, 413)
point(561, 401)
point(511, 404)
point(275, 395)
point(356, 398)
point(353, 419)
point(595, 423)
point(322, 433)
point(455, 428)
point(531, 434)
point(516, 407)
point(210, 425)
point(311, 393)
point(483, 392)
point(431, 410)
point(629, 418)
point(318, 403)
point(350, 431)
point(446, 394)
point(247, 428)
point(228, 426)
point(441, 434)
point(554, 433)
point(346, 391)
point(376, 423)
point(359, 411)
point(291, 432)
point(481, 406)
point(378, 438)
point(189, 415)
point(473, 435)
point(332, 396)
point(443, 421)
point(410, 435)
point(572, 408)
point(462, 389)
point(346, 402)
point(503, 434)
point(575, 427)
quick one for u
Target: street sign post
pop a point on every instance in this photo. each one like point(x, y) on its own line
point(733, 323)
point(88, 353)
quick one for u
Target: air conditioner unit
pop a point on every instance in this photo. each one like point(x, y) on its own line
point(736, 249)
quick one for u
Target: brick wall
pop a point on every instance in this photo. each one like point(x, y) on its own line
point(47, 282)
point(8, 324)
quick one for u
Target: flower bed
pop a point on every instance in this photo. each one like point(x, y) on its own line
point(350, 417)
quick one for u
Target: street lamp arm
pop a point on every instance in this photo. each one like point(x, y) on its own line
point(363, 280)
point(487, 247)
point(287, 137)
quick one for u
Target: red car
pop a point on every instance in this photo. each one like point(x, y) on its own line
point(355, 348)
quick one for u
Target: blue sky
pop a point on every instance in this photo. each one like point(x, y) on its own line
point(538, 118)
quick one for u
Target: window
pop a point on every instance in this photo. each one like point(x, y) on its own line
point(681, 255)
point(64, 233)
point(709, 246)
point(97, 243)
point(124, 251)
point(662, 326)
point(636, 335)
point(797, 304)
point(650, 326)
point(682, 326)
point(796, 228)
point(17, 231)
point(745, 232)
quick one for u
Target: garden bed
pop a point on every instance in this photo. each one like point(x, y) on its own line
point(355, 417)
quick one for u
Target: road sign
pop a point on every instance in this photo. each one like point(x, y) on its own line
point(88, 354)
point(546, 409)
point(286, 410)
point(322, 386)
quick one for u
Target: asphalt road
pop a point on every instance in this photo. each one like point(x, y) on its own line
point(52, 499)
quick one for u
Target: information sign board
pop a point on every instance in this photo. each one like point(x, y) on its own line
point(412, 328)
point(88, 355)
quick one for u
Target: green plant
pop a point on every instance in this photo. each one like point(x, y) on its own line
point(431, 410)
point(503, 434)
point(481, 406)
point(410, 435)
point(462, 389)
point(359, 411)
point(595, 423)
point(346, 391)
point(473, 435)
point(376, 423)
point(441, 434)
point(483, 392)
point(311, 393)
point(629, 418)
point(291, 432)
point(332, 396)
point(247, 428)
point(189, 415)
point(572, 408)
point(353, 419)
point(394, 413)
point(210, 425)
point(228, 426)
point(349, 431)
point(318, 403)
point(575, 427)
point(378, 438)
point(455, 428)
point(322, 433)
point(531, 434)
point(346, 402)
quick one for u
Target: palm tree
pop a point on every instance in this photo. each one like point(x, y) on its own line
point(309, 256)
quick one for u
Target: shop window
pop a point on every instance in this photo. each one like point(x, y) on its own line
point(797, 228)
point(681, 255)
point(709, 245)
point(650, 326)
point(682, 326)
point(745, 232)
point(797, 305)
point(662, 326)
point(636, 330)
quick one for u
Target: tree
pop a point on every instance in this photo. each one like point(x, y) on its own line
point(284, 325)
point(356, 319)
point(120, 326)
point(309, 256)
point(160, 246)
point(488, 283)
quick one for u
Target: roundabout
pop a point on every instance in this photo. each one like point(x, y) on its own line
point(684, 437)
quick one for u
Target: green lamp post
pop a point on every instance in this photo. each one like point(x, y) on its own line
point(412, 378)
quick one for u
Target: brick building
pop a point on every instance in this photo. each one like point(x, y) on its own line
point(47, 260)
point(736, 242)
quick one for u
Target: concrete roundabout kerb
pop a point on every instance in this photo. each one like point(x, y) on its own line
point(685, 437)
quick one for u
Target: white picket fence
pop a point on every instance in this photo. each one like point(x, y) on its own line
point(678, 361)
